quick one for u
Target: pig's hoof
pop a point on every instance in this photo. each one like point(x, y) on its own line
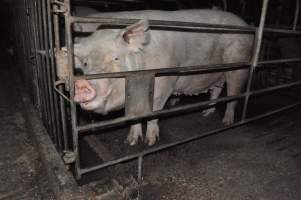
point(208, 112)
point(133, 137)
point(173, 101)
point(152, 136)
point(228, 121)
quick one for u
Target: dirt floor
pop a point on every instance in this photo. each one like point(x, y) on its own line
point(21, 174)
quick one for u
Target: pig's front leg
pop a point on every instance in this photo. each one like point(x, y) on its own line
point(163, 90)
point(134, 134)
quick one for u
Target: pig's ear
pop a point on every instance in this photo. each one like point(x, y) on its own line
point(136, 35)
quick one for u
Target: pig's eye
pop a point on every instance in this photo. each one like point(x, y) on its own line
point(85, 62)
point(116, 58)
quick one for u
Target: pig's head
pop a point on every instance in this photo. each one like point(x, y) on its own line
point(105, 51)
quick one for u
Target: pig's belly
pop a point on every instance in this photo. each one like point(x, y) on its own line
point(196, 84)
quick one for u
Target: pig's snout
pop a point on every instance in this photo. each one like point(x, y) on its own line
point(84, 91)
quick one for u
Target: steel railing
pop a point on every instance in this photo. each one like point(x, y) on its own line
point(179, 26)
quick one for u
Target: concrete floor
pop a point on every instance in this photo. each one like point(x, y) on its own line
point(257, 161)
point(21, 173)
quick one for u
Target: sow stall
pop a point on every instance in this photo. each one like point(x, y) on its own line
point(49, 24)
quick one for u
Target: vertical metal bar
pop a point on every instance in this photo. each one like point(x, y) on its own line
point(38, 62)
point(256, 52)
point(30, 50)
point(140, 177)
point(56, 28)
point(25, 68)
point(296, 17)
point(69, 45)
point(43, 70)
point(57, 123)
point(48, 74)
point(32, 54)
point(61, 99)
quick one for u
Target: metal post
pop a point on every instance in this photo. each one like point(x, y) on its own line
point(48, 79)
point(43, 76)
point(57, 45)
point(296, 17)
point(53, 77)
point(30, 25)
point(140, 177)
point(256, 52)
point(69, 45)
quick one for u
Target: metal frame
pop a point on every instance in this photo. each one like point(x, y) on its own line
point(182, 26)
point(42, 36)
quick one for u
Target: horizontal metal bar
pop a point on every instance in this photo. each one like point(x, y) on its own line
point(278, 61)
point(185, 108)
point(279, 87)
point(167, 71)
point(190, 139)
point(188, 69)
point(192, 26)
point(100, 2)
point(154, 114)
point(280, 30)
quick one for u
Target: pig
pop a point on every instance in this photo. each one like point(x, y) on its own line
point(115, 50)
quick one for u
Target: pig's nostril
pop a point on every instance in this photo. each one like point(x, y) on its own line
point(84, 91)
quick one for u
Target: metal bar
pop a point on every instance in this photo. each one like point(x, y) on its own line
point(280, 30)
point(172, 70)
point(187, 69)
point(57, 45)
point(56, 29)
point(279, 61)
point(296, 17)
point(27, 51)
point(185, 108)
point(53, 75)
point(38, 63)
point(257, 47)
point(182, 26)
point(57, 83)
point(274, 88)
point(140, 177)
point(166, 25)
point(70, 55)
point(187, 140)
point(48, 79)
point(155, 114)
point(106, 1)
point(37, 102)
point(43, 76)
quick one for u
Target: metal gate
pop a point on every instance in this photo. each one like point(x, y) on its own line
point(37, 36)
